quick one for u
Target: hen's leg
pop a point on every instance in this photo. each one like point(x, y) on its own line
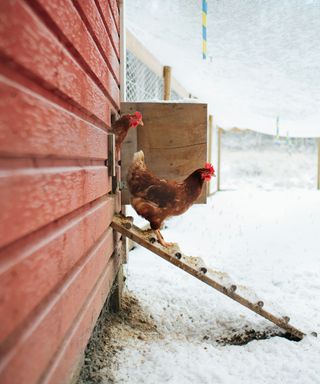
point(161, 239)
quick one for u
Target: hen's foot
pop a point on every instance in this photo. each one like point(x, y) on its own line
point(161, 239)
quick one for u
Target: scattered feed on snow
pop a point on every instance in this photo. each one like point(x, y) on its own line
point(113, 330)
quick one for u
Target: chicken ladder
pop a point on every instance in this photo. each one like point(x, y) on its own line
point(196, 267)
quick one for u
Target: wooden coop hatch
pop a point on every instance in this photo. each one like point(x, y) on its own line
point(173, 139)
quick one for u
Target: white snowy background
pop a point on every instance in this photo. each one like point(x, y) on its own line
point(263, 58)
point(263, 228)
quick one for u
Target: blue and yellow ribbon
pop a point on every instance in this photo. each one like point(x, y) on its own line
point(204, 28)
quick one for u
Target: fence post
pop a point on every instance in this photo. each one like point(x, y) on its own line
point(219, 159)
point(318, 184)
point(166, 82)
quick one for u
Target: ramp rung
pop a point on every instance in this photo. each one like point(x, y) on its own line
point(196, 267)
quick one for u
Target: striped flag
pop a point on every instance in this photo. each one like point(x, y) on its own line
point(204, 28)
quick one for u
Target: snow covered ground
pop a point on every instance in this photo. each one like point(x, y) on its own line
point(253, 160)
point(266, 240)
point(263, 58)
point(262, 229)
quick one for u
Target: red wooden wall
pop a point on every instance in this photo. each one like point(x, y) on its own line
point(59, 85)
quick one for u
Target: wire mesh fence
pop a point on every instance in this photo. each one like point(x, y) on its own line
point(142, 83)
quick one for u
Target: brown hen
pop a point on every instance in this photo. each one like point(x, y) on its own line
point(156, 199)
point(121, 127)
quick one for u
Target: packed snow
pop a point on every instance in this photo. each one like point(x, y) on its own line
point(263, 61)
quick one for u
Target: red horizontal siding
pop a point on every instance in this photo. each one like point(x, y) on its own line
point(105, 10)
point(40, 128)
point(95, 25)
point(68, 355)
point(31, 198)
point(26, 42)
point(59, 83)
point(68, 25)
point(18, 77)
point(54, 249)
point(115, 13)
point(26, 356)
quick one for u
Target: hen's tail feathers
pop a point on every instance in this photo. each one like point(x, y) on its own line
point(138, 157)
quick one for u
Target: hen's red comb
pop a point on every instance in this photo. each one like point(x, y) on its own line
point(138, 115)
point(210, 167)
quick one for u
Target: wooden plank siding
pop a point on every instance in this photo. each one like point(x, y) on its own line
point(29, 353)
point(51, 249)
point(37, 126)
point(73, 32)
point(95, 26)
point(59, 86)
point(109, 22)
point(27, 43)
point(115, 13)
point(42, 195)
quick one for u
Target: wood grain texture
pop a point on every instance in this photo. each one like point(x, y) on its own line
point(66, 23)
point(106, 13)
point(45, 331)
point(115, 14)
point(59, 84)
point(96, 28)
point(39, 128)
point(68, 356)
point(54, 250)
point(31, 198)
point(173, 139)
point(16, 75)
point(26, 42)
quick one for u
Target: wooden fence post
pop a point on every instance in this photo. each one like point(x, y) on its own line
point(219, 159)
point(318, 183)
point(166, 82)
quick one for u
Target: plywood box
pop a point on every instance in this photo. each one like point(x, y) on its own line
point(173, 139)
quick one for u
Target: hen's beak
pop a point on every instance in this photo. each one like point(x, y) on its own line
point(141, 123)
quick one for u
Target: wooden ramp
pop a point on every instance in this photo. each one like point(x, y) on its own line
point(197, 268)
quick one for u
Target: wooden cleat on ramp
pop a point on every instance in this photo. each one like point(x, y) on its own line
point(230, 289)
point(286, 319)
point(260, 304)
point(178, 255)
point(127, 221)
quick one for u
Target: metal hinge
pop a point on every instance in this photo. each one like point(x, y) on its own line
point(122, 185)
point(111, 161)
